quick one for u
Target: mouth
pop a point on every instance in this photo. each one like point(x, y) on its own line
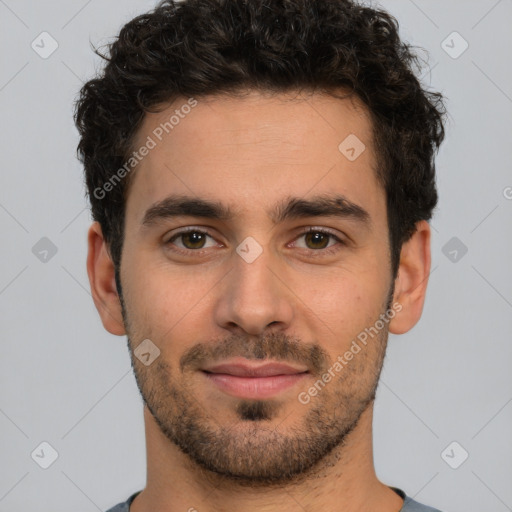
point(245, 379)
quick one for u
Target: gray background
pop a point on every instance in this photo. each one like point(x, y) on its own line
point(67, 382)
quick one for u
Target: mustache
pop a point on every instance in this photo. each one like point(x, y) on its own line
point(275, 346)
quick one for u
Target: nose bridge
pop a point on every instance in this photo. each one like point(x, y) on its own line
point(253, 295)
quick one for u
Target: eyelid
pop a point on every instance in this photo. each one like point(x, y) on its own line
point(321, 229)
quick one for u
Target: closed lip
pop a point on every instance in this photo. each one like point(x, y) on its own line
point(248, 369)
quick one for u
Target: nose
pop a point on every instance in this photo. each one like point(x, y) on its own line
point(254, 297)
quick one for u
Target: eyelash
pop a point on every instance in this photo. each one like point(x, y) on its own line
point(311, 229)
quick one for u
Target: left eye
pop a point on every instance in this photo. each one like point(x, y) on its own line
point(318, 237)
point(195, 239)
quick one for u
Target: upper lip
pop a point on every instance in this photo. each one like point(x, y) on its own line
point(248, 369)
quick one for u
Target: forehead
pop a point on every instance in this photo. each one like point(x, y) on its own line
point(247, 152)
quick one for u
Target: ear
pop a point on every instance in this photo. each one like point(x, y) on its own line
point(100, 269)
point(412, 279)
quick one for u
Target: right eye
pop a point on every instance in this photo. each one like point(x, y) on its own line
point(191, 239)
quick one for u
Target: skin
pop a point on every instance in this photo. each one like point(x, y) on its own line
point(292, 304)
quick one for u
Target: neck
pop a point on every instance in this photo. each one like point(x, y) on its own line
point(345, 480)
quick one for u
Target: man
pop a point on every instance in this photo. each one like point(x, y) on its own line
point(261, 175)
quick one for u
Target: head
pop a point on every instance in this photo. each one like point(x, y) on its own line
point(259, 119)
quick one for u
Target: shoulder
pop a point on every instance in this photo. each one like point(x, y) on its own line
point(411, 505)
point(125, 505)
point(120, 507)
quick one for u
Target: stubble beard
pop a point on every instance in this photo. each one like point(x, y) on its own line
point(256, 450)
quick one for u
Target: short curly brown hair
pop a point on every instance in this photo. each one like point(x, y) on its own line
point(203, 47)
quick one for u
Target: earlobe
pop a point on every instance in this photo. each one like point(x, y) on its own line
point(100, 270)
point(412, 279)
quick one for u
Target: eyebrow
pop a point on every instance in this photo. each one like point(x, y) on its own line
point(288, 209)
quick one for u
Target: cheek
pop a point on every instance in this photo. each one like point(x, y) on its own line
point(161, 300)
point(355, 285)
point(344, 305)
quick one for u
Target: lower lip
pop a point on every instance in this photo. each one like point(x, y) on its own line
point(254, 387)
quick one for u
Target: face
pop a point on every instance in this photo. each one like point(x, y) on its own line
point(272, 249)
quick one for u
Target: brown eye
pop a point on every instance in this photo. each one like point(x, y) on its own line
point(318, 239)
point(191, 240)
